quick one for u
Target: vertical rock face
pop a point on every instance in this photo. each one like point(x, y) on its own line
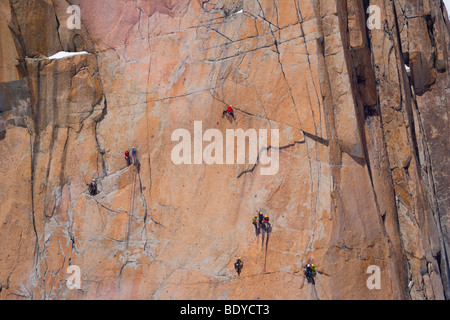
point(362, 114)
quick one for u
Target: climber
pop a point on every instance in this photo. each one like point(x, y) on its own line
point(230, 112)
point(310, 271)
point(127, 157)
point(255, 218)
point(93, 188)
point(133, 155)
point(238, 265)
point(260, 217)
point(265, 223)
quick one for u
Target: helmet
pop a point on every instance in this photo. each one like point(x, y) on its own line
point(312, 265)
point(127, 150)
point(239, 258)
point(265, 216)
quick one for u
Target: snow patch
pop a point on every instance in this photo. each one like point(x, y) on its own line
point(447, 6)
point(64, 54)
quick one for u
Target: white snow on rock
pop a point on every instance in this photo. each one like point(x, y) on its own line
point(447, 6)
point(64, 54)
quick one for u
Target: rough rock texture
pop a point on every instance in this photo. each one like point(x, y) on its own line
point(364, 149)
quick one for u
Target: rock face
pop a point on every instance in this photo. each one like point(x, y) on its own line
point(362, 113)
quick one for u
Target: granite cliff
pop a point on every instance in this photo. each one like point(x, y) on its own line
point(358, 89)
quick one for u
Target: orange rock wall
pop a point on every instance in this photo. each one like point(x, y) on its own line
point(363, 121)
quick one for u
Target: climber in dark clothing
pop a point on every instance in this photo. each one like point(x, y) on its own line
point(230, 112)
point(260, 217)
point(93, 188)
point(310, 271)
point(238, 265)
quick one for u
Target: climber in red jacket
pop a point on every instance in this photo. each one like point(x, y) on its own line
point(265, 224)
point(230, 112)
point(127, 157)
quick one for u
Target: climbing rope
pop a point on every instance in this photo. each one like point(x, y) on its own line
point(130, 211)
